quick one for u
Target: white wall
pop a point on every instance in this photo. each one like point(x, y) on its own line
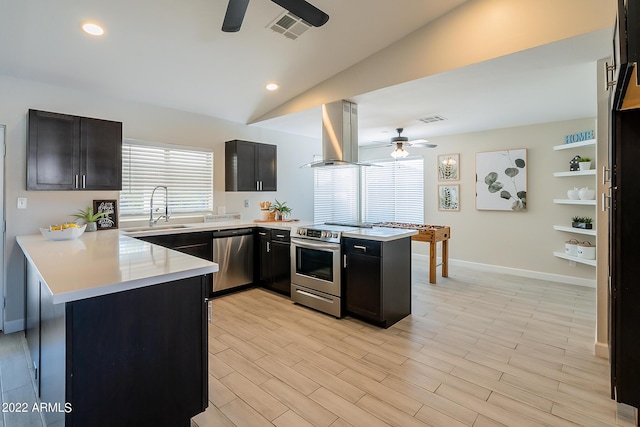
point(515, 240)
point(141, 122)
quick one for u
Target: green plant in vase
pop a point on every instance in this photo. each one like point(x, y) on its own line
point(89, 217)
point(281, 209)
point(582, 222)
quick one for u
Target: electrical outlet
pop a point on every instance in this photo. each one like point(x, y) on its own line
point(22, 203)
point(246, 203)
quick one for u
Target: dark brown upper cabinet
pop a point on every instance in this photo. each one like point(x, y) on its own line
point(67, 152)
point(250, 166)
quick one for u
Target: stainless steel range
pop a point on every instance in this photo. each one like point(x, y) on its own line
point(316, 267)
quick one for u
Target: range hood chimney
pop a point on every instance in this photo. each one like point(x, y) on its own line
point(339, 135)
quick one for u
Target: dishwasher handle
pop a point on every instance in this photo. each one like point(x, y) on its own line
point(232, 233)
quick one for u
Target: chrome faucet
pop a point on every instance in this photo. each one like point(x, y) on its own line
point(166, 215)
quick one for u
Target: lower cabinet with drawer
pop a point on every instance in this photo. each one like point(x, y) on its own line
point(377, 279)
point(274, 260)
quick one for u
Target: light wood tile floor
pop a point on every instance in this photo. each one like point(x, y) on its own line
point(480, 349)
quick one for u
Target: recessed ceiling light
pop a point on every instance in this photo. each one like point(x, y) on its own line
point(93, 29)
point(272, 86)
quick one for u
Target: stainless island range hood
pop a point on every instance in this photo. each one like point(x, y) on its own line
point(339, 135)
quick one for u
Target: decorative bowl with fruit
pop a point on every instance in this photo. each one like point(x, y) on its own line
point(64, 231)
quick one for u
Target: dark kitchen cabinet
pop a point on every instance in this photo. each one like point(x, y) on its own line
point(67, 152)
point(198, 244)
point(250, 166)
point(274, 260)
point(377, 279)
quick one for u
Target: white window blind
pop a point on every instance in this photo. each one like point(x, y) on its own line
point(186, 172)
point(394, 191)
point(335, 196)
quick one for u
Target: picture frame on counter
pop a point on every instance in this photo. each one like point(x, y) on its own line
point(449, 167)
point(110, 207)
point(449, 197)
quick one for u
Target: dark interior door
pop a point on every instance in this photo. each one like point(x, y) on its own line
point(625, 253)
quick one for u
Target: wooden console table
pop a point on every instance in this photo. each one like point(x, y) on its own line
point(432, 234)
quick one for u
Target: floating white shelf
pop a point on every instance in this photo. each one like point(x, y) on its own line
point(575, 173)
point(591, 262)
point(590, 232)
point(587, 143)
point(574, 202)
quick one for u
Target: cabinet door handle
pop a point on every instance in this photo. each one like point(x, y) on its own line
point(344, 260)
point(210, 310)
point(364, 248)
point(257, 185)
point(280, 236)
point(268, 246)
point(260, 185)
point(84, 181)
point(76, 181)
point(605, 175)
point(609, 74)
point(262, 233)
point(605, 205)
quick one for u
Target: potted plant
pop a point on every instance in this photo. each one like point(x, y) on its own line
point(89, 218)
point(582, 222)
point(281, 210)
point(585, 163)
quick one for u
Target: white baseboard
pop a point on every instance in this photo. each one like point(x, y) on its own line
point(602, 349)
point(13, 326)
point(590, 283)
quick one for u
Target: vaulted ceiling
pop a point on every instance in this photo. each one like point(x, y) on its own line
point(173, 54)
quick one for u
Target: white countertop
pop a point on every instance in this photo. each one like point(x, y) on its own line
point(104, 262)
point(382, 234)
point(376, 233)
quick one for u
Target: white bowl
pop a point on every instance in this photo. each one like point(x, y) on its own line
point(66, 234)
point(586, 194)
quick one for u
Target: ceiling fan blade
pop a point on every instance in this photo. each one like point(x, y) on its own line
point(234, 16)
point(304, 10)
point(422, 144)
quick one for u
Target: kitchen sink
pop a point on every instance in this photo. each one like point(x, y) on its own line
point(155, 228)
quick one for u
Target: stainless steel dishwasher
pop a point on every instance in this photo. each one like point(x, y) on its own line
point(233, 252)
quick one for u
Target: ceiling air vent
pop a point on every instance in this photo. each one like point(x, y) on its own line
point(432, 119)
point(289, 25)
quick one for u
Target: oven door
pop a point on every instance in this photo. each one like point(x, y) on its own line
point(316, 265)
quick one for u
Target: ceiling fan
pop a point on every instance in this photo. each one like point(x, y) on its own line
point(400, 142)
point(302, 9)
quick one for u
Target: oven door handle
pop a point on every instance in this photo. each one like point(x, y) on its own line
point(326, 246)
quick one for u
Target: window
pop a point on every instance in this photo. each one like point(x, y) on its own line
point(391, 191)
point(187, 173)
point(335, 194)
point(394, 191)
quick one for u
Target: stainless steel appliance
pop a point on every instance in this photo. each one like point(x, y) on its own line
point(316, 267)
point(233, 251)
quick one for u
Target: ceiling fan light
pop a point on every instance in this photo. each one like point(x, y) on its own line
point(399, 153)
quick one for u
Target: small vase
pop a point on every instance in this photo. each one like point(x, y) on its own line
point(585, 166)
point(91, 226)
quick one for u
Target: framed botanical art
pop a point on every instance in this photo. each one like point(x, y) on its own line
point(501, 180)
point(110, 208)
point(449, 197)
point(449, 167)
